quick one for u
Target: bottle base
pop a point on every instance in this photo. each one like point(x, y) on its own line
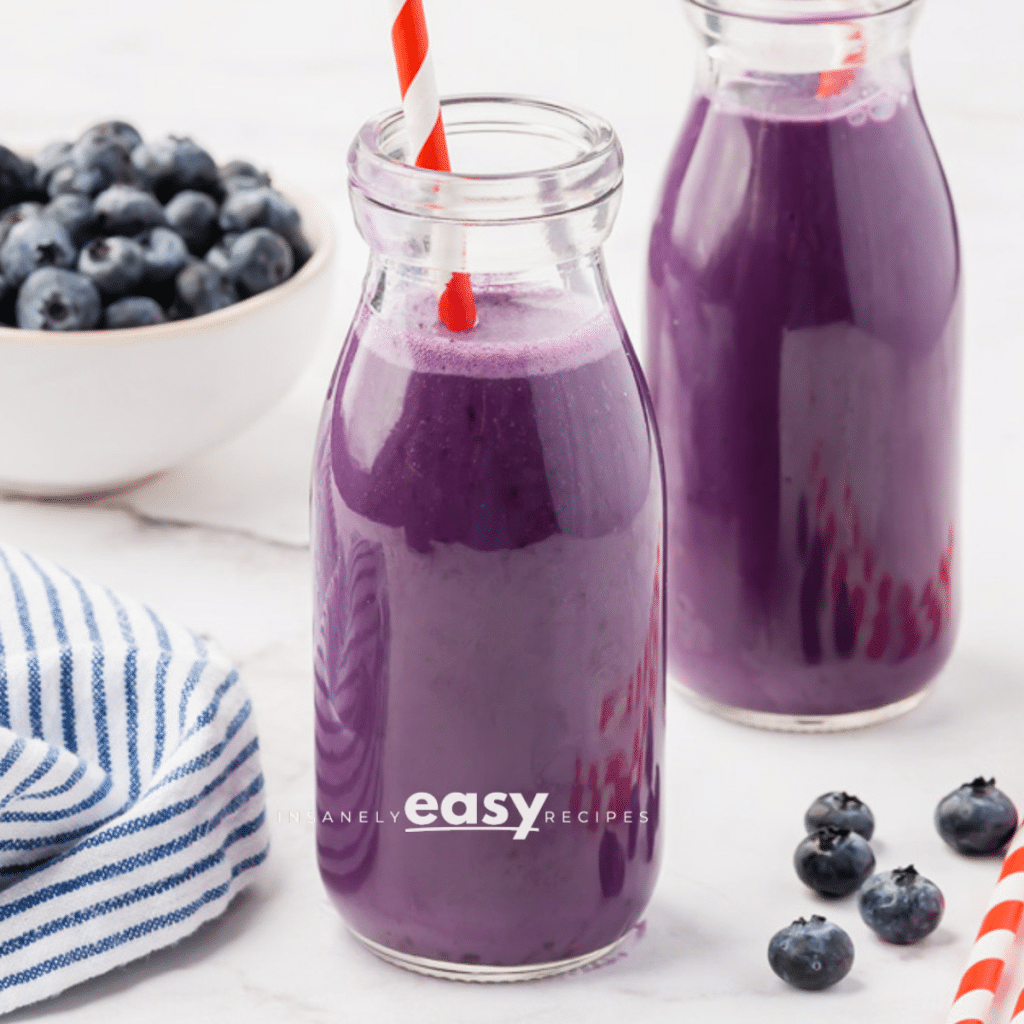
point(778, 722)
point(485, 973)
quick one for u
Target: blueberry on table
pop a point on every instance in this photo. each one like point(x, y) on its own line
point(901, 906)
point(811, 955)
point(841, 810)
point(833, 861)
point(128, 211)
point(260, 259)
point(34, 243)
point(53, 299)
point(133, 311)
point(977, 818)
point(115, 265)
point(194, 216)
point(164, 251)
point(203, 289)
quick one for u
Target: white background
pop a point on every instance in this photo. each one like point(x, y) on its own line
point(221, 543)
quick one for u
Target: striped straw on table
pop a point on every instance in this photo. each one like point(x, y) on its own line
point(424, 128)
point(974, 997)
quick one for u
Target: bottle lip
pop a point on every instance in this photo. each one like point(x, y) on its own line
point(576, 161)
point(802, 12)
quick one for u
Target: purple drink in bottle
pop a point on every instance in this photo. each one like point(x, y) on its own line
point(488, 535)
point(804, 328)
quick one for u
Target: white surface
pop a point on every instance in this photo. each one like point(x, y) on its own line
point(288, 85)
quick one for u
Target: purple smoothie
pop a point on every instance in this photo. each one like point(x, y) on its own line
point(487, 545)
point(804, 340)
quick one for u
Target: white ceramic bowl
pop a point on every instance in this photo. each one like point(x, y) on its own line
point(82, 412)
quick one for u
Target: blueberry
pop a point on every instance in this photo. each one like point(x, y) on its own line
point(124, 210)
point(901, 906)
point(53, 299)
point(259, 208)
point(133, 311)
point(46, 161)
point(301, 249)
point(203, 289)
point(97, 162)
point(194, 216)
point(8, 298)
point(260, 259)
point(117, 131)
point(833, 861)
point(841, 810)
point(34, 243)
point(164, 251)
point(115, 265)
point(168, 165)
point(194, 168)
point(243, 169)
point(154, 162)
point(811, 955)
point(74, 212)
point(62, 181)
point(16, 178)
point(976, 818)
point(15, 215)
point(240, 174)
point(219, 255)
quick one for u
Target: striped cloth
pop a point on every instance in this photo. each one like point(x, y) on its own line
point(131, 795)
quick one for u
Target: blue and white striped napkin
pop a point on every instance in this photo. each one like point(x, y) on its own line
point(131, 795)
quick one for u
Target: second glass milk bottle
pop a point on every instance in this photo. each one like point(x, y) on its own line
point(804, 312)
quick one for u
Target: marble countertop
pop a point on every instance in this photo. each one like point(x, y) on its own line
point(221, 543)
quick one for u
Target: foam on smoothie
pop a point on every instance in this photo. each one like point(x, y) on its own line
point(514, 337)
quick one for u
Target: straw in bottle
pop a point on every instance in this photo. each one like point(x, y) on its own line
point(425, 130)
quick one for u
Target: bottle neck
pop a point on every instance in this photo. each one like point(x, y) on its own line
point(538, 185)
point(403, 292)
point(807, 67)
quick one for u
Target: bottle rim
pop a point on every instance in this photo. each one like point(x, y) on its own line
point(583, 163)
point(802, 12)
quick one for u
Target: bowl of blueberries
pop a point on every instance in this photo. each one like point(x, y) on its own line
point(152, 304)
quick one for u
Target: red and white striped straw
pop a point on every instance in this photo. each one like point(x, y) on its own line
point(425, 132)
point(1018, 1010)
point(974, 997)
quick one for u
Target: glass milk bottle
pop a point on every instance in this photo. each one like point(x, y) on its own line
point(488, 540)
point(804, 325)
